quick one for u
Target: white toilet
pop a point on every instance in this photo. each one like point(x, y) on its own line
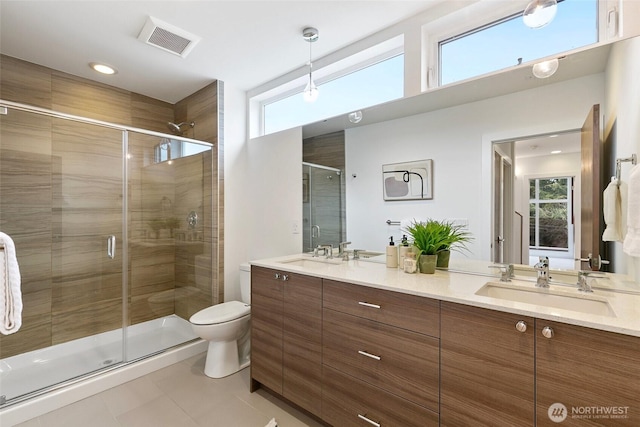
point(226, 327)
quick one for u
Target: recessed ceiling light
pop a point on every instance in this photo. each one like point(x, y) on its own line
point(556, 152)
point(102, 68)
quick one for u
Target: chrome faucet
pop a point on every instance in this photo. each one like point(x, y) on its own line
point(542, 267)
point(506, 271)
point(583, 280)
point(341, 250)
point(327, 250)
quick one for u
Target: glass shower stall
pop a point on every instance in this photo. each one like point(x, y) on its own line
point(323, 206)
point(113, 233)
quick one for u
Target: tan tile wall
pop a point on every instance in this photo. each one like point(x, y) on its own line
point(70, 289)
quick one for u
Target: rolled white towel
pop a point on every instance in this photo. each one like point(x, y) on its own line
point(10, 293)
point(631, 245)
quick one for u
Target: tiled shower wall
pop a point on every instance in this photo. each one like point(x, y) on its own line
point(326, 150)
point(63, 300)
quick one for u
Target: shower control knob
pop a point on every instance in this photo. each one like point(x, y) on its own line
point(521, 326)
point(547, 332)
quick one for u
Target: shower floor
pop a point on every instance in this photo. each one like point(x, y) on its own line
point(38, 369)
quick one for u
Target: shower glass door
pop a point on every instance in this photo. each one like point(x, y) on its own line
point(323, 206)
point(61, 201)
point(169, 217)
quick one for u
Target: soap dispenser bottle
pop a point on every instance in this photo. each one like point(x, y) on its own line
point(392, 254)
point(403, 250)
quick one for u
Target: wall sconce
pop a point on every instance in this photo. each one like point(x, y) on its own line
point(545, 69)
point(539, 13)
point(311, 92)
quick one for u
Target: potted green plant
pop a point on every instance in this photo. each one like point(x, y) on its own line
point(455, 239)
point(428, 237)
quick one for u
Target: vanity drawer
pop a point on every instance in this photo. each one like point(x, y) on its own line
point(349, 402)
point(411, 312)
point(399, 361)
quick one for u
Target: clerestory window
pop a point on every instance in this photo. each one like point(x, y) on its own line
point(508, 42)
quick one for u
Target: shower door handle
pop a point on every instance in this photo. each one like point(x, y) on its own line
point(315, 228)
point(111, 247)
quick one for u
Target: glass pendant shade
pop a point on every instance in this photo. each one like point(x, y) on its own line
point(539, 13)
point(310, 91)
point(545, 69)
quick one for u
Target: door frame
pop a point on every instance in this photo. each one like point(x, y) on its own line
point(487, 207)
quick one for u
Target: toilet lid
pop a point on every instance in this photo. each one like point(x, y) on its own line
point(221, 313)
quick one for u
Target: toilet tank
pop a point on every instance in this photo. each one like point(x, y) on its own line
point(245, 282)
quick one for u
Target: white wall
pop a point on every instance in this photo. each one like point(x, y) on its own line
point(459, 141)
point(623, 109)
point(236, 203)
point(274, 194)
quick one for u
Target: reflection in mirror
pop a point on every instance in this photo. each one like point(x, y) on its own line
point(457, 125)
point(537, 200)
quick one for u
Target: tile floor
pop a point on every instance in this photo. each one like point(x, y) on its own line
point(179, 395)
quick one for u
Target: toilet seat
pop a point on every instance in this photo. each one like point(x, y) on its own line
point(221, 313)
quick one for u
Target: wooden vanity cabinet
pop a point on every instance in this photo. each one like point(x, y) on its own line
point(594, 374)
point(494, 372)
point(487, 368)
point(379, 365)
point(286, 336)
point(359, 356)
point(302, 342)
point(267, 292)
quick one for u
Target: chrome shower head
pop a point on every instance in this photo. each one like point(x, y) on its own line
point(177, 128)
point(173, 127)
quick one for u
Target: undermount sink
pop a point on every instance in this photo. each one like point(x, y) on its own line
point(582, 303)
point(311, 262)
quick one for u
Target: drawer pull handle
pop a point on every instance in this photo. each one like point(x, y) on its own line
point(366, 304)
point(373, 356)
point(373, 423)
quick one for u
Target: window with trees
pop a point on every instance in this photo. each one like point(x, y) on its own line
point(551, 214)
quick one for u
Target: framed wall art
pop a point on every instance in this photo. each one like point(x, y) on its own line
point(408, 181)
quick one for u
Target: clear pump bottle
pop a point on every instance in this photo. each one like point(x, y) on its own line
point(392, 254)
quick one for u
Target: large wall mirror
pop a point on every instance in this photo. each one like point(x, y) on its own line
point(463, 127)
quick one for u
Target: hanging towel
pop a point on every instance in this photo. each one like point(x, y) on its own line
point(10, 294)
point(624, 207)
point(612, 209)
point(631, 244)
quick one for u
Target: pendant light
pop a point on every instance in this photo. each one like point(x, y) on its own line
point(311, 92)
point(539, 13)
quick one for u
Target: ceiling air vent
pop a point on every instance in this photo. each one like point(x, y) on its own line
point(168, 37)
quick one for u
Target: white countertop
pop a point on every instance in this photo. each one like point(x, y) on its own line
point(461, 288)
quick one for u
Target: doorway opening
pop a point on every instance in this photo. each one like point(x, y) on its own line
point(536, 199)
